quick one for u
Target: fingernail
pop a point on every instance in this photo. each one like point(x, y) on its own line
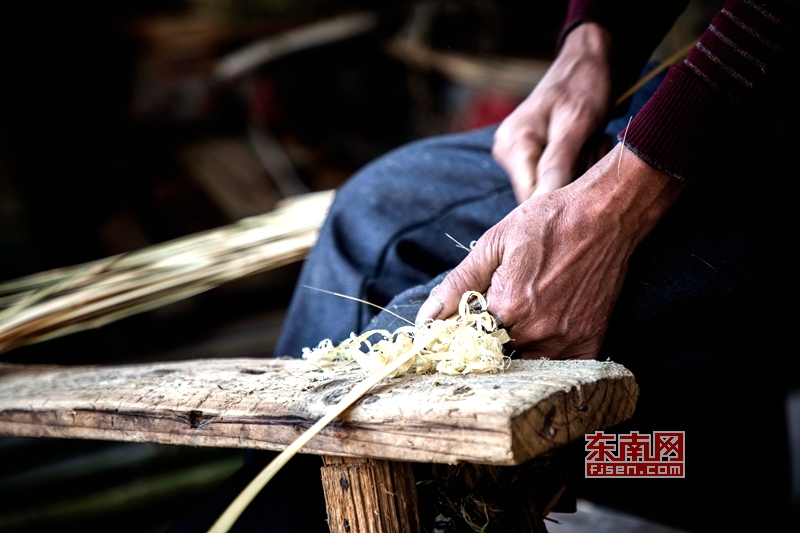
point(430, 309)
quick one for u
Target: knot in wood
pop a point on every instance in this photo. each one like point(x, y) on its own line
point(195, 418)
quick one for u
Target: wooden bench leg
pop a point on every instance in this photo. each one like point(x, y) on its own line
point(498, 499)
point(370, 496)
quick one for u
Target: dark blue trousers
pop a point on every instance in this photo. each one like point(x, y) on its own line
point(703, 320)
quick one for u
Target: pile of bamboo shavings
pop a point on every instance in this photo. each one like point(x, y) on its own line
point(67, 300)
point(469, 342)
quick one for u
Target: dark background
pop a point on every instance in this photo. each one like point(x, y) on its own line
point(108, 122)
point(114, 136)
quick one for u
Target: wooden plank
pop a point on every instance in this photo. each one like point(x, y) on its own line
point(532, 408)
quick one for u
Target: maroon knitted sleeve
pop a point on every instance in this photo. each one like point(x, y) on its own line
point(730, 74)
point(636, 26)
point(734, 74)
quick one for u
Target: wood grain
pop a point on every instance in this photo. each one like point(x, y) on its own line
point(369, 495)
point(532, 408)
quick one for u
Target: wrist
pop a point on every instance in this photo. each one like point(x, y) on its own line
point(627, 189)
point(589, 40)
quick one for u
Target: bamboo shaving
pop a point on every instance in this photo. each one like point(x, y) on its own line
point(225, 522)
point(470, 342)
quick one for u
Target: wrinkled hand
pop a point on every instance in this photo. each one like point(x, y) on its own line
point(540, 143)
point(553, 268)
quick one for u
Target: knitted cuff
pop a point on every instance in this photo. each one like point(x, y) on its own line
point(632, 42)
point(681, 127)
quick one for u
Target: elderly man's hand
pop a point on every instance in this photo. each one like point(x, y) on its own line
point(553, 268)
point(540, 143)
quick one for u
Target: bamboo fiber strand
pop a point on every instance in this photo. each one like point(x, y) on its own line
point(237, 506)
point(67, 300)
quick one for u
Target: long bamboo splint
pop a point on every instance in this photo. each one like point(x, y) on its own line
point(67, 300)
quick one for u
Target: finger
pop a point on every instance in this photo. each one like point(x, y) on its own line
point(507, 303)
point(473, 274)
point(523, 173)
point(568, 133)
point(518, 150)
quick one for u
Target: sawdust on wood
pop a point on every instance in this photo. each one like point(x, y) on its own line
point(470, 342)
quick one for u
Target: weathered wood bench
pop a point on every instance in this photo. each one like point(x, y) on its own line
point(505, 419)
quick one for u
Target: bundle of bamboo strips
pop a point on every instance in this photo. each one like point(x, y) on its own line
point(67, 300)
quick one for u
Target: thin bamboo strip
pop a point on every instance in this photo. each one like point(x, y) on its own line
point(87, 305)
point(42, 279)
point(93, 299)
point(66, 300)
point(287, 215)
point(103, 312)
point(85, 300)
point(44, 292)
point(8, 300)
point(103, 319)
point(668, 62)
point(226, 520)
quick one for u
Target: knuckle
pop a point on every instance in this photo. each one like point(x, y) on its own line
point(460, 280)
point(531, 137)
point(499, 152)
point(578, 113)
point(518, 136)
point(489, 246)
point(504, 133)
point(504, 312)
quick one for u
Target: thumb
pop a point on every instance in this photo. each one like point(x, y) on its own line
point(550, 180)
point(560, 157)
point(522, 169)
point(473, 274)
point(555, 167)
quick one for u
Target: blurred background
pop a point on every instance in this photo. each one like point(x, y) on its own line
point(125, 124)
point(128, 125)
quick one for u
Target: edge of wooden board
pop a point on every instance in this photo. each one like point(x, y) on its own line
point(530, 409)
